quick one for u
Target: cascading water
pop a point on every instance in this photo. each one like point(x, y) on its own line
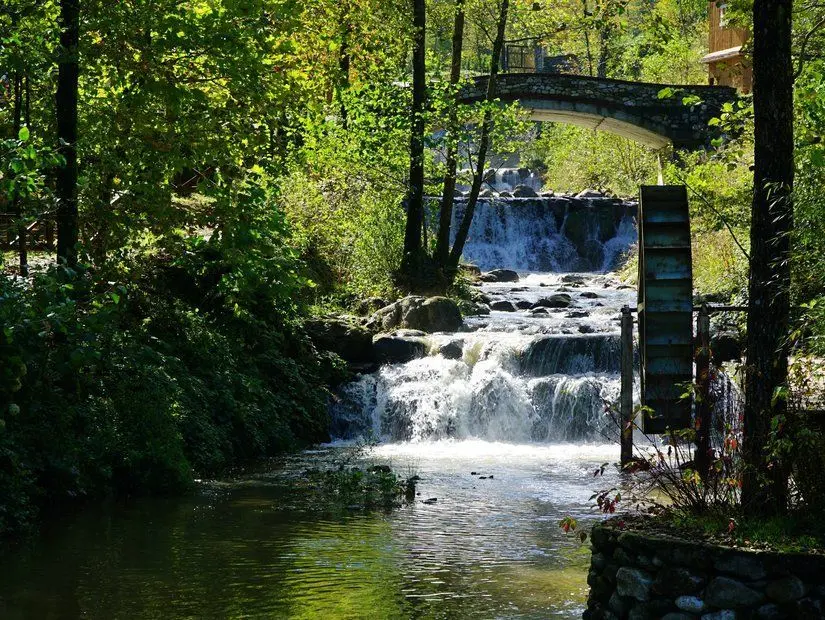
point(543, 372)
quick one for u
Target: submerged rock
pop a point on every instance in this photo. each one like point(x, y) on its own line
point(500, 275)
point(453, 350)
point(559, 300)
point(503, 305)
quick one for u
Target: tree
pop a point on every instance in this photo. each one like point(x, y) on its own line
point(442, 250)
point(66, 107)
point(484, 141)
point(415, 197)
point(770, 277)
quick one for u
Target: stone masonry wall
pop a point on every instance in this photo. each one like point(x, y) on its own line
point(640, 576)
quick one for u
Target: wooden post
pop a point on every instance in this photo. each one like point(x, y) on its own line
point(626, 401)
point(703, 409)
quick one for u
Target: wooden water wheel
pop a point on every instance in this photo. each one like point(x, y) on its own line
point(665, 307)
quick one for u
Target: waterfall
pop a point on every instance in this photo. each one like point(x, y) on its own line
point(544, 373)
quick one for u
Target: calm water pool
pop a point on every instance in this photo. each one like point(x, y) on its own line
point(485, 549)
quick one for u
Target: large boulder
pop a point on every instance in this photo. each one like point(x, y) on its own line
point(524, 191)
point(433, 314)
point(370, 305)
point(396, 349)
point(351, 342)
point(500, 275)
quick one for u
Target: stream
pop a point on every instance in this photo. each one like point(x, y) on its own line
point(505, 432)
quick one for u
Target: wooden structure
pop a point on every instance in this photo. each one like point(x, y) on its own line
point(665, 307)
point(727, 65)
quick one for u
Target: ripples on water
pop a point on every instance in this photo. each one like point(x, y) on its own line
point(486, 549)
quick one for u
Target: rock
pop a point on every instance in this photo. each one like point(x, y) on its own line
point(724, 614)
point(433, 314)
point(547, 194)
point(785, 590)
point(634, 583)
point(728, 593)
point(453, 350)
point(572, 278)
point(598, 561)
point(577, 314)
point(769, 612)
point(390, 349)
point(690, 604)
point(743, 566)
point(474, 271)
point(523, 304)
point(487, 193)
point(590, 193)
point(431, 500)
point(586, 329)
point(618, 605)
point(725, 347)
point(674, 581)
point(524, 191)
point(482, 309)
point(808, 608)
point(678, 615)
point(351, 342)
point(589, 295)
point(539, 312)
point(559, 300)
point(503, 305)
point(505, 194)
point(371, 304)
point(457, 193)
point(410, 333)
point(500, 275)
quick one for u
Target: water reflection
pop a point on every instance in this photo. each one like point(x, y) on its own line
point(486, 548)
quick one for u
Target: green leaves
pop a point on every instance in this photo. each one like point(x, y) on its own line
point(23, 134)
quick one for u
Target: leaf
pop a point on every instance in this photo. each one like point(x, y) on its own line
point(23, 134)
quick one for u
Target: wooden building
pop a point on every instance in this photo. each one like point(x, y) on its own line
point(727, 65)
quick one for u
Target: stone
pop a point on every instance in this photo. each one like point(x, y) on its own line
point(618, 605)
point(674, 581)
point(634, 583)
point(487, 193)
point(723, 614)
point(729, 593)
point(391, 349)
point(598, 561)
point(589, 295)
point(586, 329)
point(572, 278)
point(577, 314)
point(743, 566)
point(808, 608)
point(503, 305)
point(371, 304)
point(433, 314)
point(590, 193)
point(523, 304)
point(500, 275)
point(785, 590)
point(678, 615)
point(540, 312)
point(480, 308)
point(559, 300)
point(505, 194)
point(690, 604)
point(453, 350)
point(474, 271)
point(524, 191)
point(769, 612)
point(351, 342)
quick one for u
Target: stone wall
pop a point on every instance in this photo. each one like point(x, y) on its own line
point(639, 576)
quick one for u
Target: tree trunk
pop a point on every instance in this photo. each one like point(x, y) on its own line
point(442, 249)
point(484, 142)
point(415, 195)
point(764, 491)
point(67, 96)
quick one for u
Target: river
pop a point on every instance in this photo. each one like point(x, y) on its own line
point(505, 436)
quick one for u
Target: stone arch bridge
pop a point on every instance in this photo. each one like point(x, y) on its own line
point(630, 109)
